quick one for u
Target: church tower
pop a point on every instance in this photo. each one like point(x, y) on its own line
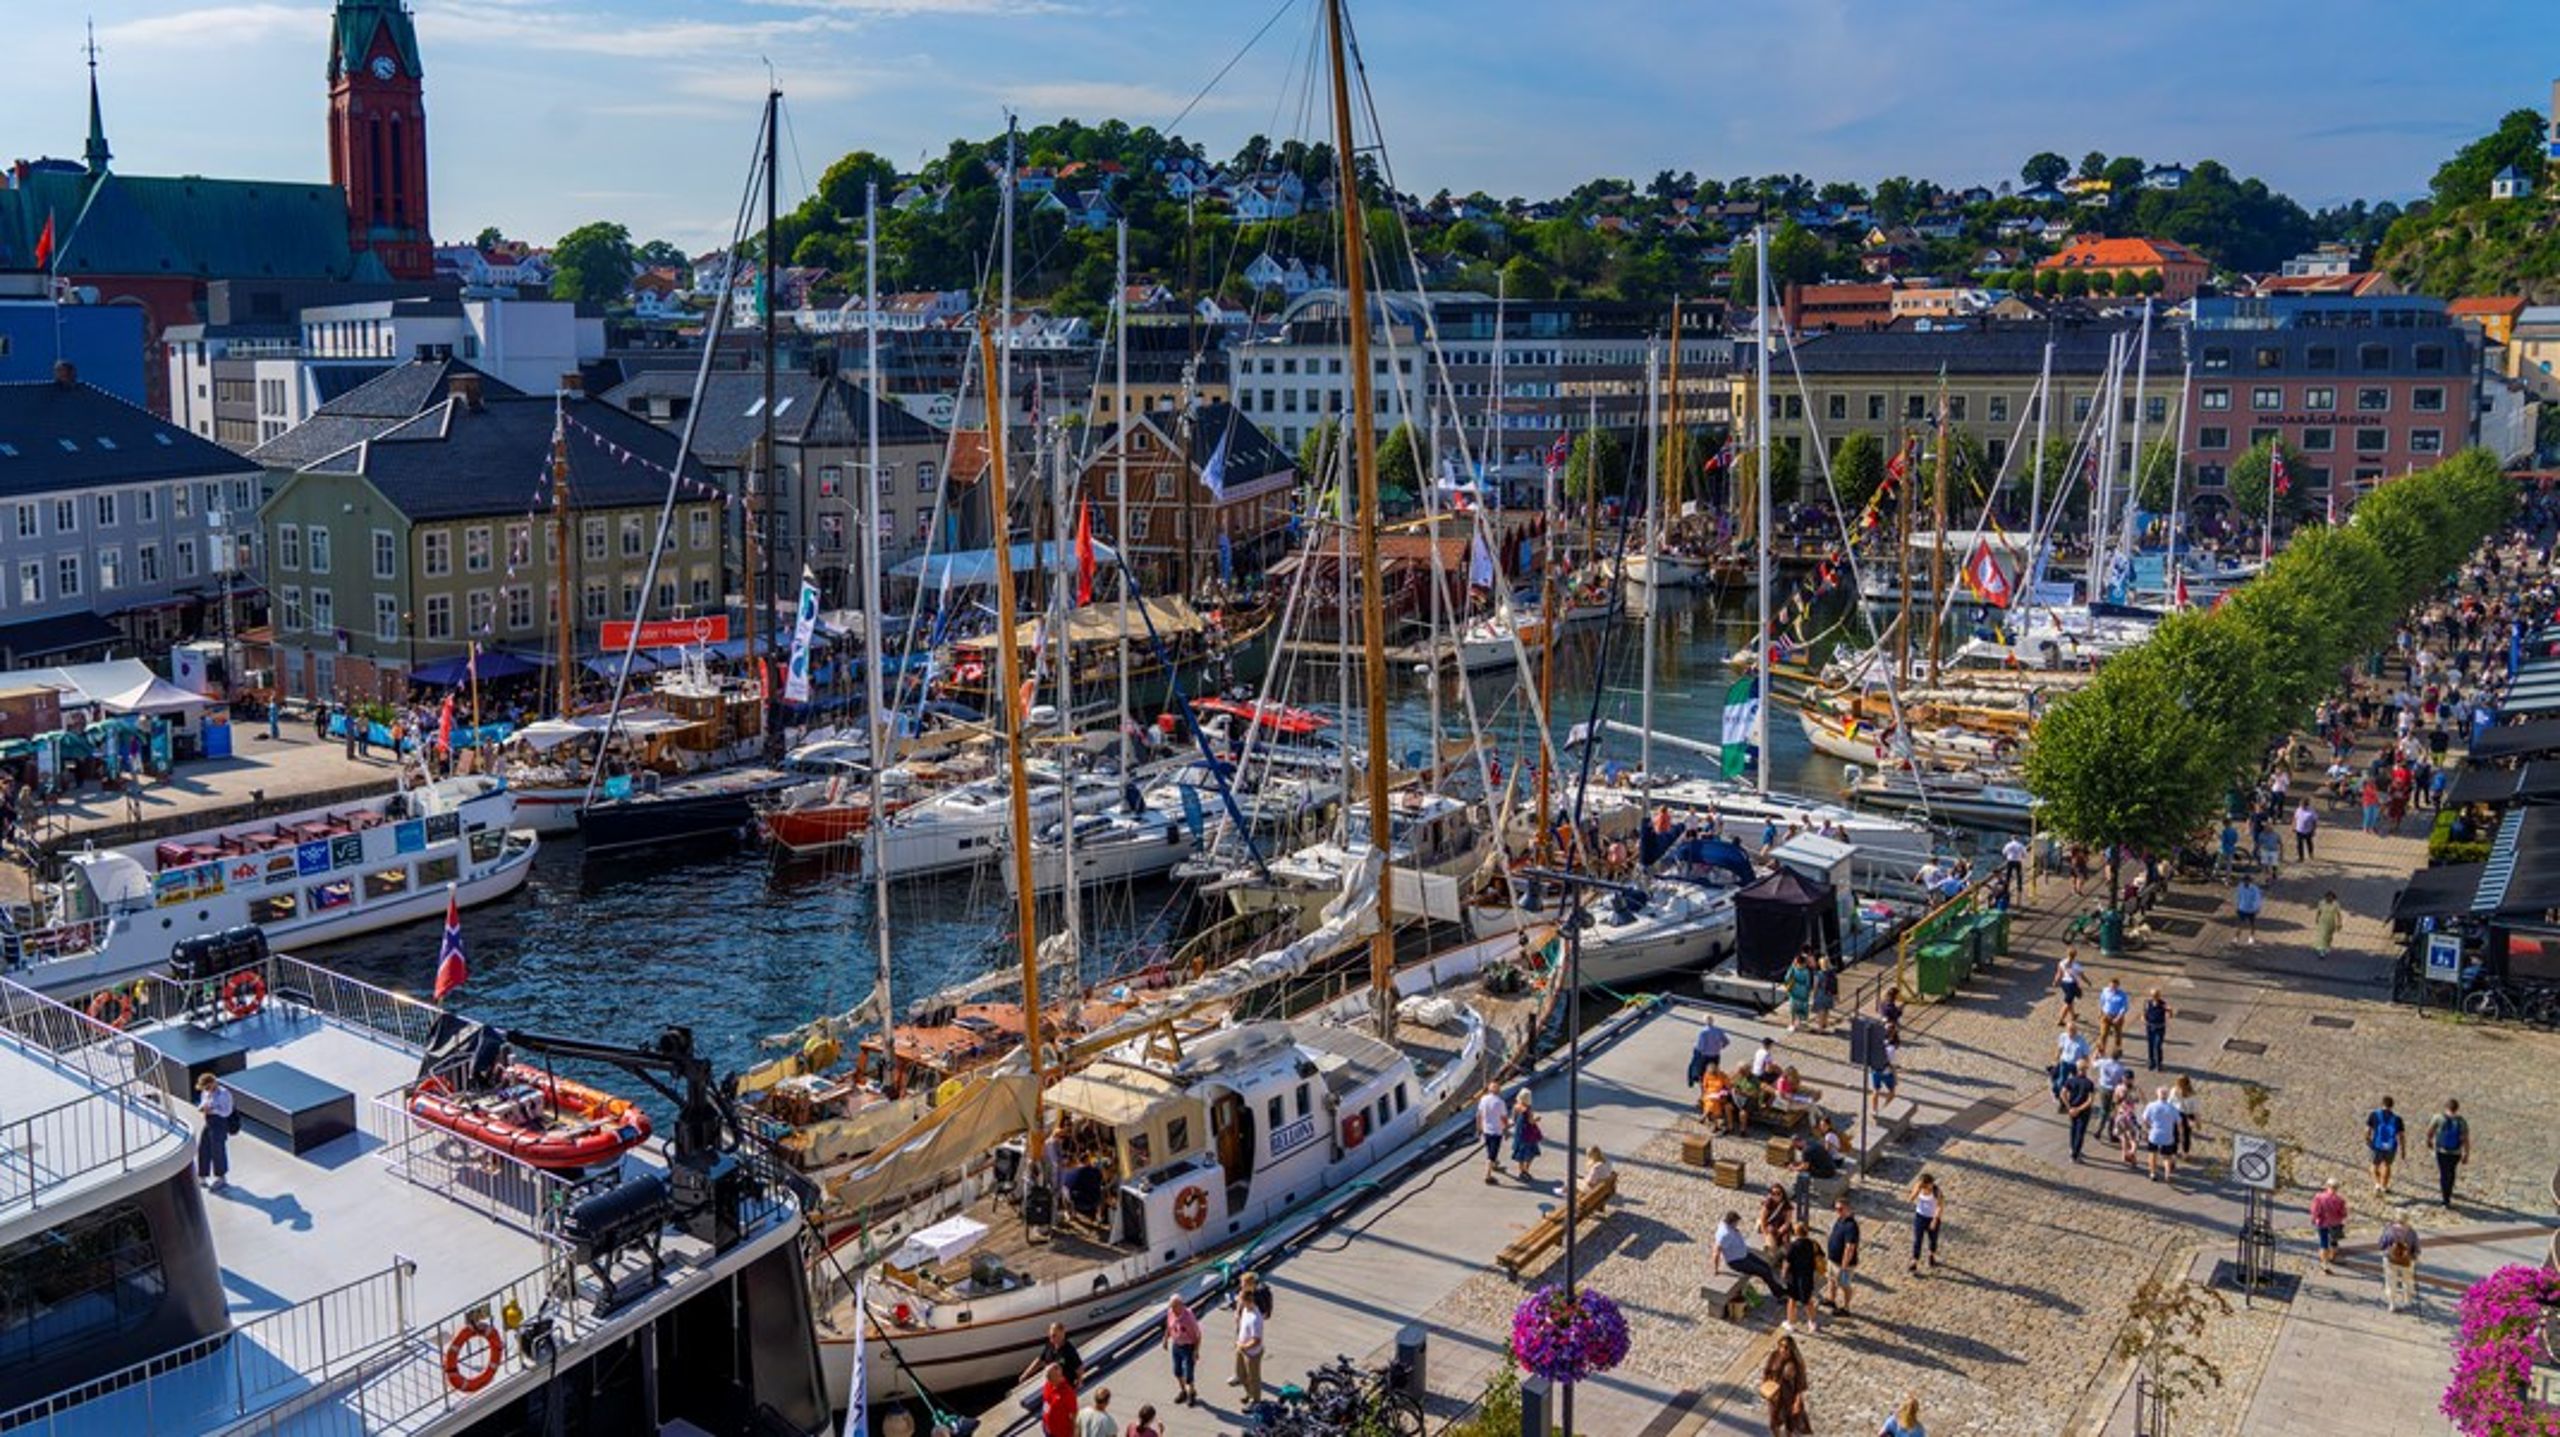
point(378, 134)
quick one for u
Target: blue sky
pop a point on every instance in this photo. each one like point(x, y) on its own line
point(543, 114)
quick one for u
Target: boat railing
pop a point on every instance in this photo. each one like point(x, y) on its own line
point(118, 1117)
point(353, 1002)
point(498, 1186)
point(266, 1367)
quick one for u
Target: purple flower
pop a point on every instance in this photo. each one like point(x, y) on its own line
point(2493, 1363)
point(1567, 1340)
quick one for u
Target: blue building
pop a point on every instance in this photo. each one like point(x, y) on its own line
point(102, 341)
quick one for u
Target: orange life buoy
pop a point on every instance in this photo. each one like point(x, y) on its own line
point(243, 993)
point(1355, 1130)
point(1191, 1208)
point(484, 1333)
point(113, 1007)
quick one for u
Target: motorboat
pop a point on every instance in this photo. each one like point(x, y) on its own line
point(964, 828)
point(1659, 927)
point(649, 812)
point(540, 1119)
point(1432, 833)
point(1988, 797)
point(1114, 845)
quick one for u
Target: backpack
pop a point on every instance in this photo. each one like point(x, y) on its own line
point(2449, 1135)
point(2386, 1129)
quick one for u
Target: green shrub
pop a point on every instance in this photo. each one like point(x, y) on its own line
point(2443, 848)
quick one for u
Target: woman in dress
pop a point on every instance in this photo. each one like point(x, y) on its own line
point(1799, 992)
point(1782, 1385)
point(1526, 1139)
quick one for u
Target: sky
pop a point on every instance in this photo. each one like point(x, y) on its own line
point(545, 114)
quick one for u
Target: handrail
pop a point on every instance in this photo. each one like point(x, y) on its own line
point(46, 1150)
point(499, 1186)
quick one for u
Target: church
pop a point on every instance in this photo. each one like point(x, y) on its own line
point(157, 242)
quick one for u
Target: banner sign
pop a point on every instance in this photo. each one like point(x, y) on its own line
point(667, 633)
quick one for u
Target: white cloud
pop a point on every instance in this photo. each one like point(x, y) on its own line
point(1092, 99)
point(215, 25)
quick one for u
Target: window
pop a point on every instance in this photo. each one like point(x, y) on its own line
point(386, 619)
point(2427, 357)
point(520, 606)
point(288, 546)
point(2320, 399)
point(66, 576)
point(146, 506)
point(1795, 406)
point(324, 611)
point(146, 563)
point(2370, 357)
point(2080, 405)
point(106, 511)
point(88, 1281)
point(275, 907)
point(2373, 400)
point(2155, 410)
point(2319, 441)
point(1999, 412)
point(1142, 525)
point(2267, 399)
point(1997, 451)
point(592, 601)
point(1836, 407)
point(31, 582)
point(631, 594)
point(1875, 408)
point(386, 554)
point(66, 516)
point(110, 568)
point(591, 541)
point(289, 617)
point(519, 546)
point(476, 543)
point(1164, 486)
point(830, 481)
point(325, 896)
point(698, 529)
point(2263, 436)
point(635, 538)
point(242, 500)
point(2320, 356)
point(439, 552)
point(27, 520)
point(2217, 356)
point(181, 500)
point(2210, 476)
point(1915, 406)
point(2269, 356)
point(2372, 441)
point(439, 617)
point(319, 549)
point(699, 588)
point(1956, 407)
point(482, 612)
point(2216, 399)
point(186, 556)
point(2427, 401)
point(1275, 1113)
point(2426, 441)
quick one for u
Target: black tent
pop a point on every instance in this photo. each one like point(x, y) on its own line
point(2521, 740)
point(1780, 916)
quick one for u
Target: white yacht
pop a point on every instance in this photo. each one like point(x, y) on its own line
point(1679, 926)
point(1112, 845)
point(1991, 797)
point(1431, 832)
point(1891, 851)
point(965, 828)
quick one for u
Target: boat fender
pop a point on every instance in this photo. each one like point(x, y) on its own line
point(244, 993)
point(113, 1007)
point(1191, 1208)
point(1355, 1130)
point(484, 1334)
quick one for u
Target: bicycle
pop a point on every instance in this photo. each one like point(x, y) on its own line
point(1370, 1404)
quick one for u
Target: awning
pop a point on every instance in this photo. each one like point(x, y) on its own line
point(1112, 1093)
point(60, 634)
point(495, 664)
point(1100, 623)
point(2523, 871)
point(2529, 706)
point(2518, 740)
point(2529, 783)
point(976, 568)
point(606, 667)
point(115, 686)
point(2437, 892)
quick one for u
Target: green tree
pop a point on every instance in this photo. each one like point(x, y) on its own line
point(1400, 461)
point(488, 238)
point(2516, 141)
point(2123, 175)
point(2251, 475)
point(2093, 165)
point(1597, 465)
point(658, 253)
point(2075, 283)
point(1786, 470)
point(1318, 453)
point(1523, 279)
point(843, 187)
point(592, 263)
point(2049, 283)
point(1857, 470)
point(2044, 168)
point(2123, 765)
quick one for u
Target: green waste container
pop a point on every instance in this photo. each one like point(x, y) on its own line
point(1999, 934)
point(1937, 962)
point(2111, 933)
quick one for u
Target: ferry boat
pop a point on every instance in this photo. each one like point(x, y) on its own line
point(360, 1271)
point(315, 876)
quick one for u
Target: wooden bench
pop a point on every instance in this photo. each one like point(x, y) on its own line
point(1548, 1231)
point(300, 1111)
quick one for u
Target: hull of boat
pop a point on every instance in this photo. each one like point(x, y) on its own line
point(1994, 808)
point(675, 817)
point(1119, 862)
point(550, 811)
point(1667, 571)
point(821, 828)
point(1653, 953)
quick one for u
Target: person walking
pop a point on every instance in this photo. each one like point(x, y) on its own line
point(1905, 1421)
point(2070, 1050)
point(1182, 1339)
point(2399, 1248)
point(2382, 1139)
point(2155, 1029)
point(2326, 915)
point(2329, 1219)
point(1250, 1302)
point(1826, 994)
point(1096, 1419)
point(2370, 798)
point(1928, 1211)
point(213, 1140)
point(1842, 1242)
point(2183, 1093)
point(2079, 1105)
point(2067, 974)
point(1800, 1262)
point(1527, 1138)
point(1799, 992)
point(1493, 1120)
point(2449, 1136)
point(2306, 829)
point(1782, 1386)
point(2247, 898)
point(2114, 1003)
point(1731, 1252)
point(2161, 1122)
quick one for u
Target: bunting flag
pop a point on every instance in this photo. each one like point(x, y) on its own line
point(1741, 721)
point(44, 243)
point(1899, 465)
point(1982, 575)
point(1085, 562)
point(804, 630)
point(451, 970)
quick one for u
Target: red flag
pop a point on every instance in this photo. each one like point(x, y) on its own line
point(444, 724)
point(450, 969)
point(1084, 553)
point(2275, 470)
point(1558, 451)
point(1982, 574)
point(1899, 464)
point(2178, 592)
point(44, 243)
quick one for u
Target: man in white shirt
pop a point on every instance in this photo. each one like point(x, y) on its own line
point(1764, 1064)
point(2160, 1121)
point(1249, 1349)
point(2013, 856)
point(1096, 1419)
point(1493, 1117)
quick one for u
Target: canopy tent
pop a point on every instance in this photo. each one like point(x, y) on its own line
point(117, 686)
point(548, 734)
point(1100, 623)
point(610, 666)
point(976, 568)
point(1779, 917)
point(494, 664)
point(2535, 782)
point(2441, 892)
point(2522, 740)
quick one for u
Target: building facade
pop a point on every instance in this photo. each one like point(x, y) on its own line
point(2177, 271)
point(2366, 389)
point(378, 135)
point(439, 533)
point(1181, 532)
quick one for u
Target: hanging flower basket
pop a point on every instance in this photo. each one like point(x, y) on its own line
point(2502, 1315)
point(1568, 1339)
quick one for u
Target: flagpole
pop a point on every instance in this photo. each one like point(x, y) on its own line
point(1760, 431)
point(876, 748)
point(2177, 477)
point(1652, 553)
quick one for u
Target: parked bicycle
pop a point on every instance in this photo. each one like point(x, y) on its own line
point(1342, 1400)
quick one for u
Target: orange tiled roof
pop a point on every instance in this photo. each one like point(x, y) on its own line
point(2096, 252)
point(2486, 304)
point(2354, 283)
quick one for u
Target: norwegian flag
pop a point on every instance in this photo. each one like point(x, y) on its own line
point(2178, 589)
point(2275, 470)
point(1559, 451)
point(450, 967)
point(1720, 458)
point(1899, 465)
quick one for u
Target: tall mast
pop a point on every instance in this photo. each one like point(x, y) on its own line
point(877, 750)
point(760, 480)
point(2177, 477)
point(1026, 906)
point(1652, 552)
point(1760, 427)
point(1364, 456)
point(1062, 602)
point(1004, 357)
point(1549, 604)
point(2035, 489)
point(1672, 480)
point(1902, 581)
point(564, 569)
point(2141, 398)
point(1120, 475)
point(1938, 592)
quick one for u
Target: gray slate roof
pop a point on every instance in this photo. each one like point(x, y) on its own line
point(454, 462)
point(391, 396)
point(57, 436)
point(1251, 454)
point(1984, 349)
point(808, 410)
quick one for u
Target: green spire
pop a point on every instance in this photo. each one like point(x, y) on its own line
point(96, 152)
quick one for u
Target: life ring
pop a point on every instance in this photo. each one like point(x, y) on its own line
point(485, 1333)
point(243, 993)
point(1355, 1130)
point(1191, 1208)
point(2004, 748)
point(113, 1007)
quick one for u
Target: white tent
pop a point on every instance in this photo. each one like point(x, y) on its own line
point(117, 686)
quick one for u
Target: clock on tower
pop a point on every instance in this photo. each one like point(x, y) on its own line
point(378, 134)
